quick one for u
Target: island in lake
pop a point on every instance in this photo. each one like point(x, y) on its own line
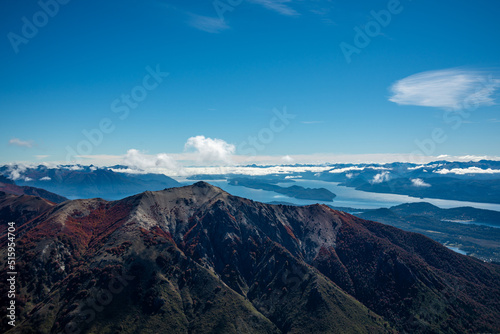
point(315, 194)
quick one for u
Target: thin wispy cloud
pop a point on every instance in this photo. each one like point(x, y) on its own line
point(208, 24)
point(215, 25)
point(449, 89)
point(279, 6)
point(312, 122)
point(21, 143)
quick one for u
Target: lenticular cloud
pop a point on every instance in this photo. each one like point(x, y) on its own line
point(449, 89)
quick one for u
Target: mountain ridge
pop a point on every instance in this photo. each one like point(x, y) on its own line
point(10, 187)
point(291, 264)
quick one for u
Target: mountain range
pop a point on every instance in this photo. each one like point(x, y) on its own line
point(196, 259)
point(78, 181)
point(473, 181)
point(463, 181)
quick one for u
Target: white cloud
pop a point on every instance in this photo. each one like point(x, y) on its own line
point(138, 160)
point(449, 88)
point(380, 177)
point(41, 156)
point(320, 160)
point(287, 159)
point(100, 159)
point(247, 170)
point(16, 171)
point(472, 158)
point(470, 170)
point(21, 143)
point(15, 175)
point(417, 167)
point(209, 24)
point(211, 150)
point(45, 178)
point(347, 169)
point(192, 159)
point(419, 183)
point(27, 179)
point(279, 6)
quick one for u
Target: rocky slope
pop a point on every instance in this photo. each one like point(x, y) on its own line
point(20, 209)
point(198, 260)
point(10, 187)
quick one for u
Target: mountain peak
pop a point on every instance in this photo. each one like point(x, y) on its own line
point(206, 187)
point(203, 184)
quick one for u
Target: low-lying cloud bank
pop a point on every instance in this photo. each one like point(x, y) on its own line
point(470, 170)
point(204, 155)
point(138, 160)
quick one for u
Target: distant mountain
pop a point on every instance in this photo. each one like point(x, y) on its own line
point(10, 187)
point(485, 191)
point(5, 181)
point(466, 214)
point(463, 181)
point(465, 228)
point(474, 181)
point(198, 260)
point(89, 181)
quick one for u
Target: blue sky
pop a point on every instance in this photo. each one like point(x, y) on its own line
point(429, 66)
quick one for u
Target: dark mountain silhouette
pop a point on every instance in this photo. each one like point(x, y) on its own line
point(198, 260)
point(10, 187)
point(461, 213)
point(88, 181)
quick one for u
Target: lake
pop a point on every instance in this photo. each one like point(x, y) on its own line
point(346, 197)
point(457, 250)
